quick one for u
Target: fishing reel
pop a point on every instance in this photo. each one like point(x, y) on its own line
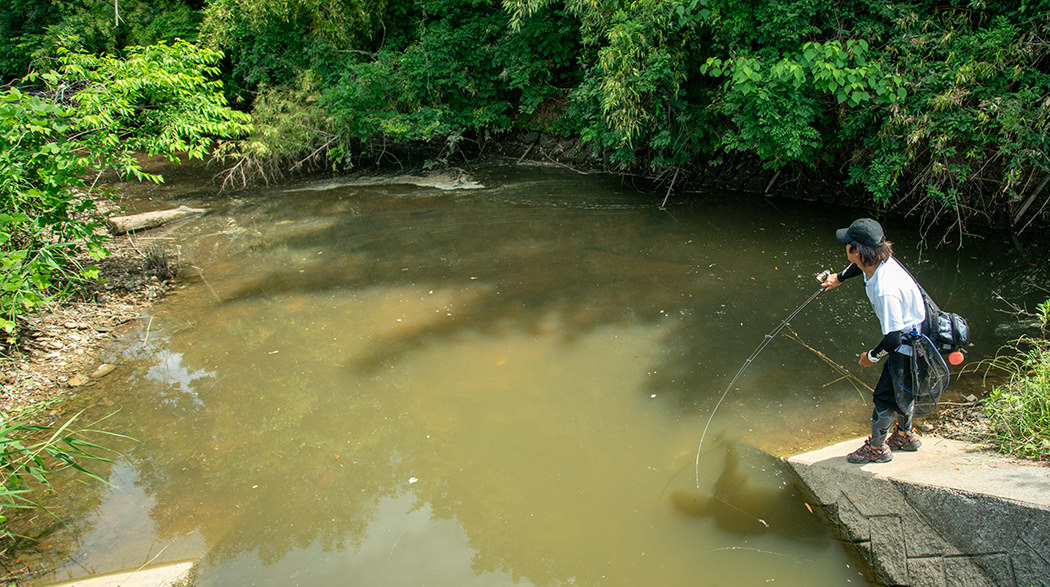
point(823, 275)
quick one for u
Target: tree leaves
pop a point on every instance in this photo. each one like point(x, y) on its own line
point(94, 114)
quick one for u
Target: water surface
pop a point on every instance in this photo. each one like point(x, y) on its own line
point(395, 385)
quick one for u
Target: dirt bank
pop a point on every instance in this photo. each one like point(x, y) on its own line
point(59, 348)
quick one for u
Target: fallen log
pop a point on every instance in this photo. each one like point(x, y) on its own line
point(146, 220)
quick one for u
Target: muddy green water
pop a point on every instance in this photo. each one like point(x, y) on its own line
point(395, 385)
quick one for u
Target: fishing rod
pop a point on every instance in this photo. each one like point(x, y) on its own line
point(765, 341)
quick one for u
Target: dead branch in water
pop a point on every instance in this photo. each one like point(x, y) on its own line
point(855, 381)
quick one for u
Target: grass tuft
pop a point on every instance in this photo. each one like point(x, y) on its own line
point(1019, 410)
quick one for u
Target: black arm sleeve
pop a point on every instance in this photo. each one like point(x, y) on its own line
point(851, 271)
point(889, 343)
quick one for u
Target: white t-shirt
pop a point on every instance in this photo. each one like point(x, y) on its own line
point(895, 297)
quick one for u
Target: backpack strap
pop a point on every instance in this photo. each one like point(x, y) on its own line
point(929, 325)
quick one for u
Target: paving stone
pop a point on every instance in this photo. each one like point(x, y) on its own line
point(923, 540)
point(864, 549)
point(816, 483)
point(977, 524)
point(957, 515)
point(927, 572)
point(1036, 534)
point(888, 550)
point(991, 570)
point(871, 496)
point(1030, 565)
point(852, 523)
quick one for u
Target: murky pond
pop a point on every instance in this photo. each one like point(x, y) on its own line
point(399, 385)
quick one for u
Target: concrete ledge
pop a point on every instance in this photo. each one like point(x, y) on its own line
point(163, 575)
point(949, 514)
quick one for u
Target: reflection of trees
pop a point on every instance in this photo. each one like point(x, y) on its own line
point(515, 267)
point(249, 458)
point(261, 475)
point(251, 478)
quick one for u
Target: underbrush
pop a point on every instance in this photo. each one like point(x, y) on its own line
point(1019, 410)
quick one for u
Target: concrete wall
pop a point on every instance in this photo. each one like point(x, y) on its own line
point(950, 516)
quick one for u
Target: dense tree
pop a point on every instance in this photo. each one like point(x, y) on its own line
point(929, 105)
point(31, 29)
point(89, 115)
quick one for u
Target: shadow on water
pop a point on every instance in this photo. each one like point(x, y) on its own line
point(745, 503)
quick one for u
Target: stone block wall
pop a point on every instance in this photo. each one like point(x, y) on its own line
point(928, 536)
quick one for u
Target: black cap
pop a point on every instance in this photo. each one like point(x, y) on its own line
point(864, 231)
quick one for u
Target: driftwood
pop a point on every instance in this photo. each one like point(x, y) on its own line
point(126, 224)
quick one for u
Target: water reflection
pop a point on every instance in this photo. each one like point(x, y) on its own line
point(169, 371)
point(387, 384)
point(405, 543)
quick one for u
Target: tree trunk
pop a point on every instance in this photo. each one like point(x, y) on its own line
point(126, 224)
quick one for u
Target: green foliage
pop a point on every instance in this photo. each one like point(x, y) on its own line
point(31, 29)
point(22, 24)
point(342, 22)
point(1042, 314)
point(942, 108)
point(31, 454)
point(39, 216)
point(98, 113)
point(460, 70)
point(974, 126)
point(270, 43)
point(465, 72)
point(703, 77)
point(290, 131)
point(160, 100)
point(777, 109)
point(1019, 410)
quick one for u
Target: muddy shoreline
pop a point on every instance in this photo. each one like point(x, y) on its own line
point(61, 348)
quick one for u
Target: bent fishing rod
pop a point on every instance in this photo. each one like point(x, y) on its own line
point(765, 341)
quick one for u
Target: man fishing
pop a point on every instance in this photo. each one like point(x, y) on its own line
point(899, 305)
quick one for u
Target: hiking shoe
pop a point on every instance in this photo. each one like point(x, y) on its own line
point(901, 440)
point(870, 454)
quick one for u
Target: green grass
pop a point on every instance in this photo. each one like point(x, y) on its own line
point(31, 454)
point(1019, 410)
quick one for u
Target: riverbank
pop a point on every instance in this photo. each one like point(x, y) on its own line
point(951, 513)
point(59, 348)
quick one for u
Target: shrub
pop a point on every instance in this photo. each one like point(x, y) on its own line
point(92, 114)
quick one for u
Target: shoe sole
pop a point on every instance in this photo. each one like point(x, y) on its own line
point(911, 447)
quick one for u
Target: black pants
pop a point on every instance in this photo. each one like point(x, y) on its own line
point(892, 390)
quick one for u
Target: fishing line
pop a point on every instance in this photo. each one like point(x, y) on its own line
point(768, 338)
point(712, 496)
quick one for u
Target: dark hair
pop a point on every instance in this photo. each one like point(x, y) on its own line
point(872, 256)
